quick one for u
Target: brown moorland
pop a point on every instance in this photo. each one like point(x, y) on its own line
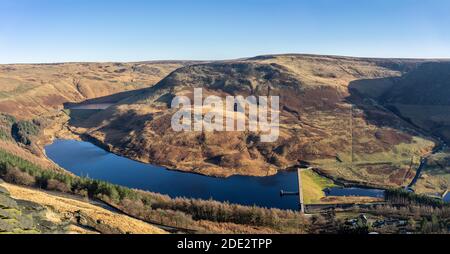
point(326, 119)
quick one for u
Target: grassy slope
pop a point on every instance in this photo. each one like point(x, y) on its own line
point(316, 75)
point(68, 205)
point(29, 90)
point(316, 128)
point(197, 215)
point(313, 186)
point(435, 178)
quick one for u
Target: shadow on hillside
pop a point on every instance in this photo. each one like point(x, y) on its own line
point(109, 99)
point(368, 97)
point(422, 94)
point(85, 113)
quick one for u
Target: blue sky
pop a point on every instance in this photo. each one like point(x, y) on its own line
point(119, 30)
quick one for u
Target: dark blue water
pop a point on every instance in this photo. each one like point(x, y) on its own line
point(361, 192)
point(447, 198)
point(92, 106)
point(86, 159)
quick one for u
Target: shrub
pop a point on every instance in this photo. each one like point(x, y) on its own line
point(134, 207)
point(82, 193)
point(4, 135)
point(5, 118)
point(23, 131)
point(16, 176)
point(53, 184)
point(146, 205)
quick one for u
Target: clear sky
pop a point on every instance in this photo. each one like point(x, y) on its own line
point(131, 30)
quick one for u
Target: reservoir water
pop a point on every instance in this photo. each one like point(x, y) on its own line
point(447, 198)
point(92, 106)
point(86, 159)
point(352, 191)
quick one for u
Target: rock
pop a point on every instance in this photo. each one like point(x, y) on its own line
point(106, 229)
point(12, 220)
point(25, 217)
point(6, 226)
point(7, 202)
point(98, 225)
point(4, 191)
point(30, 206)
point(25, 222)
point(81, 218)
point(9, 213)
point(48, 225)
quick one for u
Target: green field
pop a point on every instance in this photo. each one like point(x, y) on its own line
point(313, 185)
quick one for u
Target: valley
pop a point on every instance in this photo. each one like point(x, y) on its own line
point(348, 119)
point(325, 120)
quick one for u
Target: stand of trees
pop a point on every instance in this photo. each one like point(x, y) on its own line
point(401, 196)
point(149, 206)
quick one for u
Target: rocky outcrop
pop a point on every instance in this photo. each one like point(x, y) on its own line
point(29, 210)
point(18, 217)
point(97, 225)
point(25, 217)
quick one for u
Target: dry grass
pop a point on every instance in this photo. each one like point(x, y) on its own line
point(29, 90)
point(14, 149)
point(63, 205)
point(317, 122)
point(339, 72)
